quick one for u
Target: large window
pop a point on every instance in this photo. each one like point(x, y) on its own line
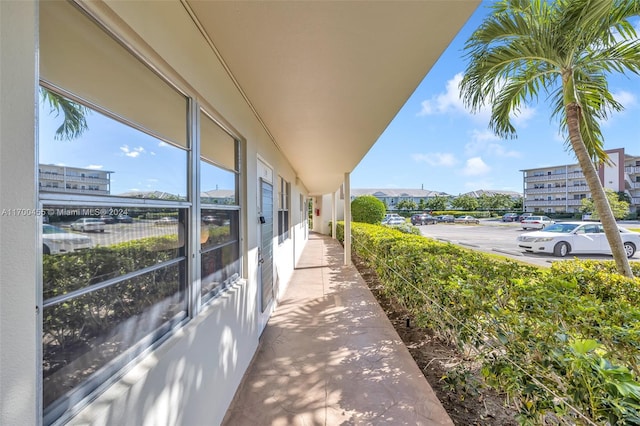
point(112, 276)
point(219, 215)
point(284, 188)
point(121, 216)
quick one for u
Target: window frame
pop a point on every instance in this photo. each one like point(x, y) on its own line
point(284, 208)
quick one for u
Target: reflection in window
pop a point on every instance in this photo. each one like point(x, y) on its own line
point(108, 158)
point(219, 243)
point(83, 334)
point(284, 188)
point(218, 185)
point(86, 245)
point(111, 276)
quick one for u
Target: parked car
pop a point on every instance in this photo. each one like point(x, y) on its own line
point(108, 220)
point(466, 219)
point(57, 240)
point(510, 217)
point(445, 218)
point(395, 220)
point(523, 216)
point(88, 224)
point(166, 221)
point(536, 222)
point(388, 216)
point(563, 238)
point(124, 218)
point(423, 219)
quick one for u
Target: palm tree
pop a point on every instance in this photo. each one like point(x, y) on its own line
point(566, 49)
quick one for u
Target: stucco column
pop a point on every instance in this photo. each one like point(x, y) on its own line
point(347, 219)
point(334, 215)
point(19, 293)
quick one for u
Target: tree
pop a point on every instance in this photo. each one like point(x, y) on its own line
point(406, 205)
point(501, 202)
point(422, 205)
point(465, 202)
point(484, 202)
point(620, 208)
point(564, 50)
point(439, 202)
point(367, 209)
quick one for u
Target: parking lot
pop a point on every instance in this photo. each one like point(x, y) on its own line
point(497, 237)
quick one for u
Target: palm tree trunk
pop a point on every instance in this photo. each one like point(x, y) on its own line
point(600, 201)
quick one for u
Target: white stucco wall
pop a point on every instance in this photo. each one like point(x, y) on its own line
point(612, 172)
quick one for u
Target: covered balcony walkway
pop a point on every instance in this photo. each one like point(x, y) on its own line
point(330, 356)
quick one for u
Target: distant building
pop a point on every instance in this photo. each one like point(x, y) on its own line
point(491, 192)
point(155, 195)
point(391, 197)
point(218, 196)
point(76, 180)
point(562, 188)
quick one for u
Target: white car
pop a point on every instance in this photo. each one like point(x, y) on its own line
point(166, 221)
point(536, 222)
point(88, 224)
point(561, 239)
point(395, 220)
point(56, 240)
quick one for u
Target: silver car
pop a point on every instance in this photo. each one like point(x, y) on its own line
point(88, 224)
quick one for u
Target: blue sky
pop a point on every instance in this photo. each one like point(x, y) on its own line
point(434, 143)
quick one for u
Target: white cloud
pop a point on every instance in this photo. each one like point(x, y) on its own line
point(521, 118)
point(163, 144)
point(475, 167)
point(133, 153)
point(436, 159)
point(627, 99)
point(483, 142)
point(449, 101)
point(500, 151)
point(94, 166)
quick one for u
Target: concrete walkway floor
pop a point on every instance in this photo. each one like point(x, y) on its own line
point(330, 356)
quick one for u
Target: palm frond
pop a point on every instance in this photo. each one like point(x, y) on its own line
point(74, 121)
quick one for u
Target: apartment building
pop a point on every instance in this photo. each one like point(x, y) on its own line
point(76, 180)
point(561, 188)
point(391, 197)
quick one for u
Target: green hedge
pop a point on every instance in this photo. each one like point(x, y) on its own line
point(569, 333)
point(93, 314)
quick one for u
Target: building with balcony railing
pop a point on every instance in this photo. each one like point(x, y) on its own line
point(76, 180)
point(558, 189)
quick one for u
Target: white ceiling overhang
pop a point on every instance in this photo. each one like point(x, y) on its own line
point(327, 77)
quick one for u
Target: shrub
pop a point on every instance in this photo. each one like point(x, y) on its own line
point(570, 333)
point(367, 209)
